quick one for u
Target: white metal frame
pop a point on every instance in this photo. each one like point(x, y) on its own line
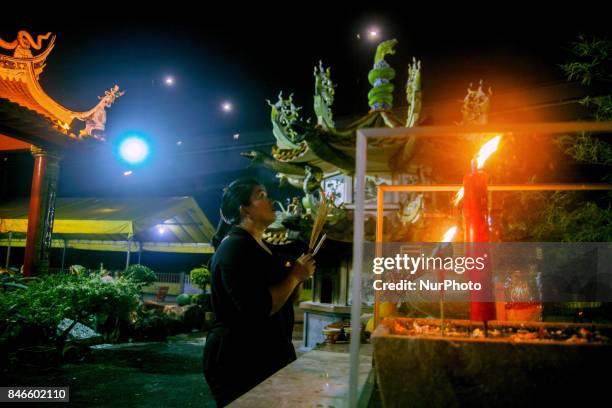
point(358, 222)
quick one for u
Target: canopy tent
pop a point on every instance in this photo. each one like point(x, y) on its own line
point(164, 224)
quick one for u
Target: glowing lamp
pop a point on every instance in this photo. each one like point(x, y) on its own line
point(227, 107)
point(134, 150)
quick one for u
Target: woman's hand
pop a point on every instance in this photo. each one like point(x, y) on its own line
point(304, 267)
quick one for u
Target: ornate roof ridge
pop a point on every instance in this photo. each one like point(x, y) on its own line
point(25, 68)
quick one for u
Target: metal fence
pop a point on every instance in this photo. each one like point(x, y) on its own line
point(169, 277)
point(181, 278)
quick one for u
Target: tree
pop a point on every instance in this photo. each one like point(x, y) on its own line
point(574, 216)
point(140, 274)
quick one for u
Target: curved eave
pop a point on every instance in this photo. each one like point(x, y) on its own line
point(301, 154)
point(343, 140)
point(28, 93)
point(58, 112)
point(19, 84)
point(31, 127)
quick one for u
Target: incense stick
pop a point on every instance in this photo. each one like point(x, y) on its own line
point(319, 221)
point(319, 245)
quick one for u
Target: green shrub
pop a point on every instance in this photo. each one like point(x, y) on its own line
point(77, 270)
point(200, 277)
point(202, 300)
point(140, 274)
point(30, 316)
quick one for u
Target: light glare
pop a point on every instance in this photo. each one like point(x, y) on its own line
point(227, 107)
point(134, 150)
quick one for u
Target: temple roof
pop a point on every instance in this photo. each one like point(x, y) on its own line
point(19, 75)
point(20, 124)
point(343, 142)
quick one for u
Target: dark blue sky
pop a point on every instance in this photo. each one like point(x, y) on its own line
point(217, 55)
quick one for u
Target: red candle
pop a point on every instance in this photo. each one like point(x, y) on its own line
point(476, 229)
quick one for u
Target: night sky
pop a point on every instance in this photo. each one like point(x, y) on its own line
point(219, 56)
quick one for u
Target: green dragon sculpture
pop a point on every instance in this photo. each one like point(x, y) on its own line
point(413, 93)
point(304, 145)
point(300, 143)
point(324, 97)
point(321, 140)
point(380, 76)
point(284, 115)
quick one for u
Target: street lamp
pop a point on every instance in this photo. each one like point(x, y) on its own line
point(227, 107)
point(133, 150)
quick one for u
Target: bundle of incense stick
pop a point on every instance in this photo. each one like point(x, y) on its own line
point(319, 221)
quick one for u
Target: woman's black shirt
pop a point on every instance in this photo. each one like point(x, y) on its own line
point(246, 344)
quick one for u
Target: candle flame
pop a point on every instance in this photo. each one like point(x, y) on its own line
point(458, 197)
point(450, 234)
point(487, 150)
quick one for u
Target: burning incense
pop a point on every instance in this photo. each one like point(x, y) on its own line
point(319, 245)
point(449, 235)
point(319, 222)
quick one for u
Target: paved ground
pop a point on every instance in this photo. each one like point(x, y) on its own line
point(147, 375)
point(143, 375)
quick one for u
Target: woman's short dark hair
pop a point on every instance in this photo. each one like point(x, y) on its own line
point(238, 193)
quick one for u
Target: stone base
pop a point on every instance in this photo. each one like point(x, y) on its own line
point(448, 372)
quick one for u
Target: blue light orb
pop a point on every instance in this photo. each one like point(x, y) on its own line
point(134, 150)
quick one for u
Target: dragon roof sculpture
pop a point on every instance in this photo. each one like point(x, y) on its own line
point(307, 150)
point(323, 145)
point(19, 74)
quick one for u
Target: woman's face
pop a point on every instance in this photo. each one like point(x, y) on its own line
point(261, 209)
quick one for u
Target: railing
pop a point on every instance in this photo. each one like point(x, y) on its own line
point(189, 287)
point(181, 278)
point(171, 277)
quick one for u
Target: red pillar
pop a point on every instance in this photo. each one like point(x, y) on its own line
point(41, 212)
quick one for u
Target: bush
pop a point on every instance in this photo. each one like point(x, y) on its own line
point(200, 277)
point(77, 270)
point(30, 316)
point(30, 312)
point(140, 274)
point(202, 300)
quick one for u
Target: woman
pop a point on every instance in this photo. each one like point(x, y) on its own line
point(251, 290)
